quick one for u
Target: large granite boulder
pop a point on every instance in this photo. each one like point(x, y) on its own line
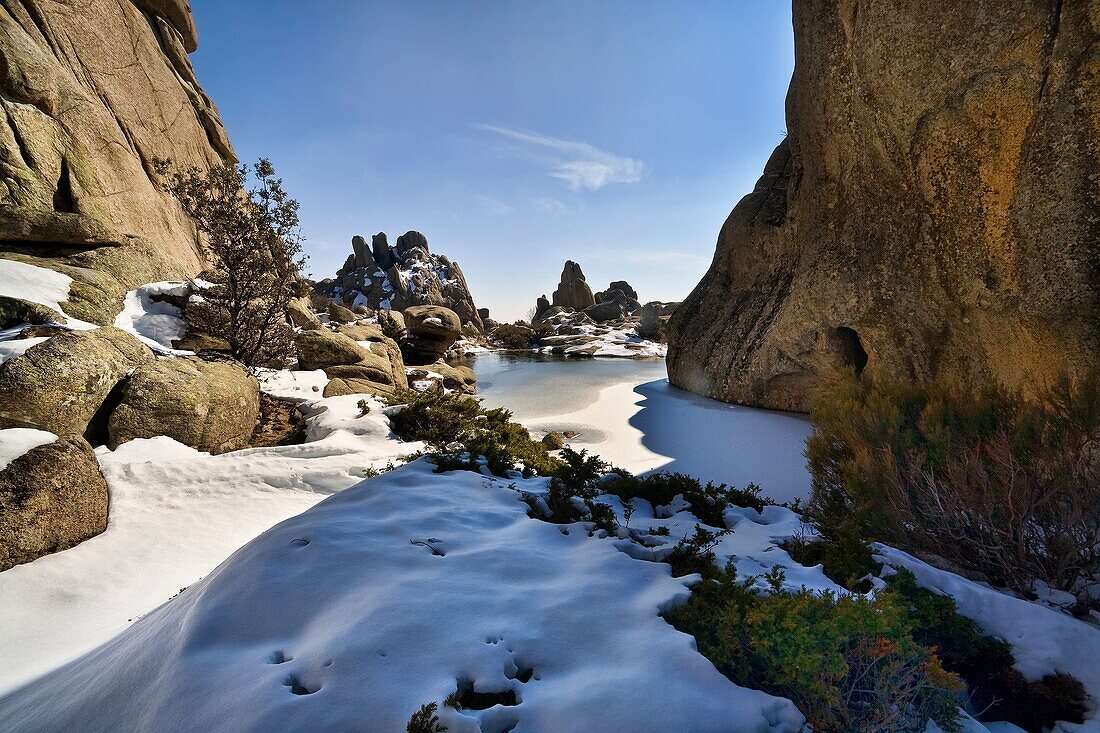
point(209, 405)
point(92, 92)
point(300, 313)
point(381, 277)
point(654, 317)
point(608, 310)
point(931, 212)
point(339, 314)
point(324, 348)
point(392, 323)
point(52, 497)
point(61, 384)
point(430, 331)
point(380, 371)
point(573, 291)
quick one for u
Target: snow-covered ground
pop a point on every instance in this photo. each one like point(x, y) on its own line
point(352, 613)
point(155, 323)
point(175, 514)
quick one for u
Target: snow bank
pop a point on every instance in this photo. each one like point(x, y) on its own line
point(175, 514)
point(17, 347)
point(38, 285)
point(1044, 641)
point(14, 442)
point(155, 323)
point(292, 385)
point(393, 594)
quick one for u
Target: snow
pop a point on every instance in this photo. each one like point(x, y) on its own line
point(38, 285)
point(17, 347)
point(655, 426)
point(1044, 641)
point(14, 442)
point(343, 602)
point(155, 323)
point(175, 514)
point(292, 385)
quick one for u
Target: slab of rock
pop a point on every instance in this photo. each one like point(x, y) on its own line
point(300, 312)
point(430, 331)
point(573, 291)
point(362, 331)
point(931, 212)
point(654, 317)
point(608, 310)
point(212, 406)
point(61, 384)
point(91, 92)
point(392, 323)
point(339, 314)
point(51, 498)
point(324, 348)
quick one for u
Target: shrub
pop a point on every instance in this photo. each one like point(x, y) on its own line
point(848, 663)
point(454, 425)
point(985, 663)
point(514, 336)
point(989, 480)
point(695, 553)
point(252, 242)
point(425, 720)
point(707, 502)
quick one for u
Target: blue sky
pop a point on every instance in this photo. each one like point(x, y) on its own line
point(514, 135)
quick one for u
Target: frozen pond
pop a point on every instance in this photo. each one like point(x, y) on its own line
point(627, 412)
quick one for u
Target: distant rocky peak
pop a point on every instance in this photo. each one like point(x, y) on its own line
point(383, 277)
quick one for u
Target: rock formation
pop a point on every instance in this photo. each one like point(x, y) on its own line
point(51, 498)
point(430, 332)
point(63, 384)
point(931, 212)
point(91, 93)
point(209, 405)
point(382, 277)
point(573, 291)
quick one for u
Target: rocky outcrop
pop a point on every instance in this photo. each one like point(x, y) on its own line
point(300, 314)
point(92, 92)
point(430, 332)
point(653, 320)
point(212, 406)
point(51, 498)
point(357, 359)
point(931, 212)
point(573, 291)
point(64, 385)
point(381, 277)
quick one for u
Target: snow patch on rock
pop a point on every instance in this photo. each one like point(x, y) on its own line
point(14, 442)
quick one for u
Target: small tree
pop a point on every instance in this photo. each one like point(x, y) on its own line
point(253, 244)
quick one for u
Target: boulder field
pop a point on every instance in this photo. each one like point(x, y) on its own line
point(930, 213)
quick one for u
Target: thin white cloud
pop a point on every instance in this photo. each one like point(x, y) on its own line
point(493, 205)
point(549, 205)
point(580, 165)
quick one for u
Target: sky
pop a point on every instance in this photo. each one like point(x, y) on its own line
point(514, 135)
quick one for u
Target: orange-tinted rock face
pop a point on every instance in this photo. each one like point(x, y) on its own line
point(932, 212)
point(92, 92)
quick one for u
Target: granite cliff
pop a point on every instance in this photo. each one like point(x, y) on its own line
point(92, 92)
point(931, 212)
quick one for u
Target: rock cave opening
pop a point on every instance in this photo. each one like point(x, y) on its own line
point(849, 347)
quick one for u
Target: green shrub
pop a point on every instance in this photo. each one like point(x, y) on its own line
point(453, 425)
point(695, 553)
point(708, 502)
point(990, 480)
point(848, 663)
point(514, 336)
point(985, 663)
point(425, 720)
